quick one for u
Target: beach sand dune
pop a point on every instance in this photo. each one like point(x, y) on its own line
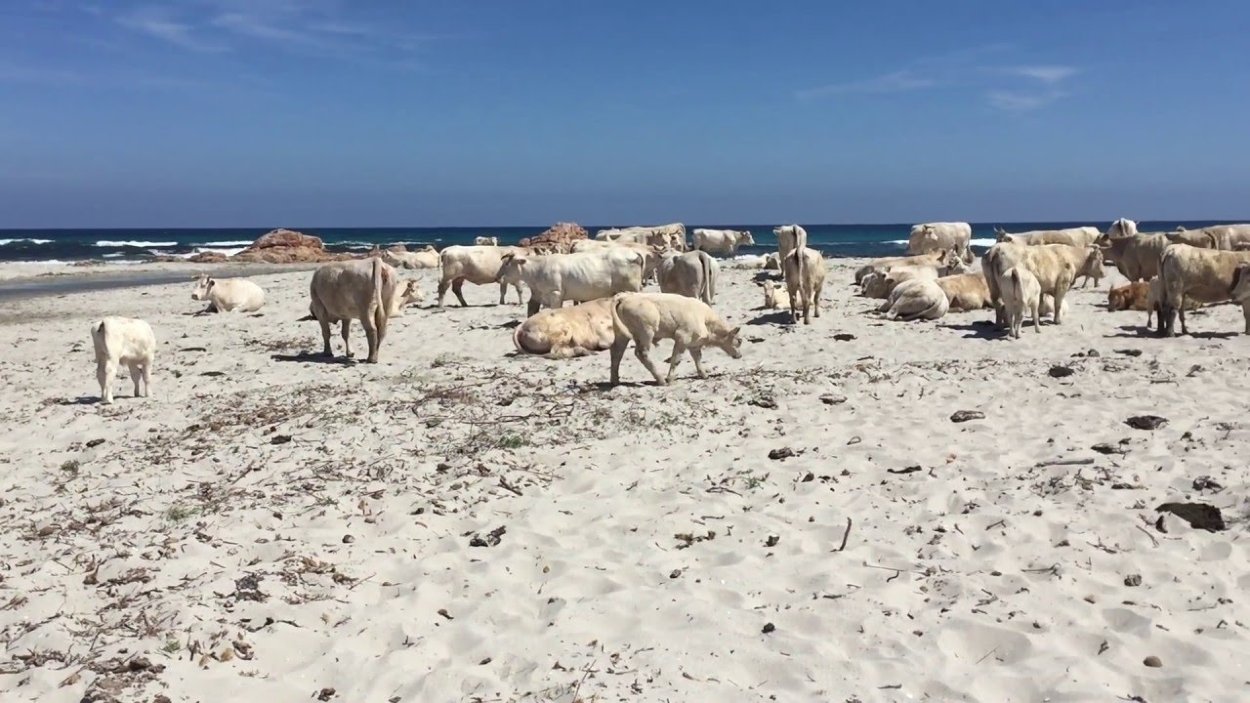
point(460, 523)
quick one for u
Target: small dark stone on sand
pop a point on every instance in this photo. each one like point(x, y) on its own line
point(778, 454)
point(1128, 352)
point(1106, 448)
point(675, 573)
point(1202, 483)
point(809, 476)
point(833, 399)
point(769, 627)
point(348, 539)
point(843, 337)
point(1200, 516)
point(489, 540)
point(1132, 580)
point(94, 442)
point(1146, 422)
point(967, 415)
point(772, 541)
point(1060, 372)
point(1153, 662)
point(764, 401)
point(280, 439)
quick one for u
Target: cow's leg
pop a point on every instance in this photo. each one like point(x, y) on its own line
point(816, 299)
point(794, 307)
point(345, 328)
point(1037, 322)
point(1245, 313)
point(674, 360)
point(457, 287)
point(1180, 309)
point(696, 355)
point(373, 335)
point(104, 371)
point(147, 378)
point(641, 347)
point(617, 350)
point(325, 336)
point(517, 286)
point(534, 305)
point(136, 374)
point(443, 285)
point(503, 291)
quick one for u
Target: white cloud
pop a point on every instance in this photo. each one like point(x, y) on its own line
point(160, 27)
point(1022, 101)
point(896, 82)
point(1049, 75)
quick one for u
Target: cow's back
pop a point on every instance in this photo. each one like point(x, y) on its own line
point(345, 289)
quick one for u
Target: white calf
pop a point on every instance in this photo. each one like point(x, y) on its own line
point(123, 340)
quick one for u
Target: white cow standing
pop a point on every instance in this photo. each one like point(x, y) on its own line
point(228, 294)
point(354, 290)
point(789, 238)
point(646, 318)
point(692, 274)
point(118, 341)
point(721, 241)
point(555, 278)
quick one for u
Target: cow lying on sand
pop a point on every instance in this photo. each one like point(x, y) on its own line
point(564, 333)
point(123, 341)
point(228, 294)
point(646, 318)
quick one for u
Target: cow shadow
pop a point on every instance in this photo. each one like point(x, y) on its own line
point(981, 329)
point(1132, 332)
point(779, 317)
point(314, 358)
point(84, 400)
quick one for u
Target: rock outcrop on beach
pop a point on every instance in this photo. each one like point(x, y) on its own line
point(207, 257)
point(557, 240)
point(284, 246)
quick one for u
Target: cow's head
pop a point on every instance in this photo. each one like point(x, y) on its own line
point(1092, 266)
point(510, 267)
point(728, 339)
point(1240, 291)
point(745, 239)
point(412, 294)
point(203, 285)
point(1000, 234)
point(1121, 228)
point(954, 262)
point(1118, 298)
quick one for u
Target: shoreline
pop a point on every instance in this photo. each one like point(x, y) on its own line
point(62, 279)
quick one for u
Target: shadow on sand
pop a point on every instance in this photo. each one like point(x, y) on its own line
point(779, 317)
point(86, 400)
point(317, 358)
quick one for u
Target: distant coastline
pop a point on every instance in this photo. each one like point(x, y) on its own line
point(131, 246)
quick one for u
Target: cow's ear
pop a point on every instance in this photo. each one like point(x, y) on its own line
point(734, 331)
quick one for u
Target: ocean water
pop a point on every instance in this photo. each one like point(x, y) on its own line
point(122, 246)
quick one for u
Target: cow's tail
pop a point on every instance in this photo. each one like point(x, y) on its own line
point(1017, 286)
point(516, 339)
point(799, 244)
point(306, 318)
point(618, 327)
point(708, 291)
point(378, 304)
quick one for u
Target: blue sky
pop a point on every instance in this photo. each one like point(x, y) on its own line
point(372, 113)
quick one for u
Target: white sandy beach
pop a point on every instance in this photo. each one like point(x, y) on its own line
point(273, 528)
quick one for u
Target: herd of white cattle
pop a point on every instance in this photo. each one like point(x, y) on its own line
point(1026, 273)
